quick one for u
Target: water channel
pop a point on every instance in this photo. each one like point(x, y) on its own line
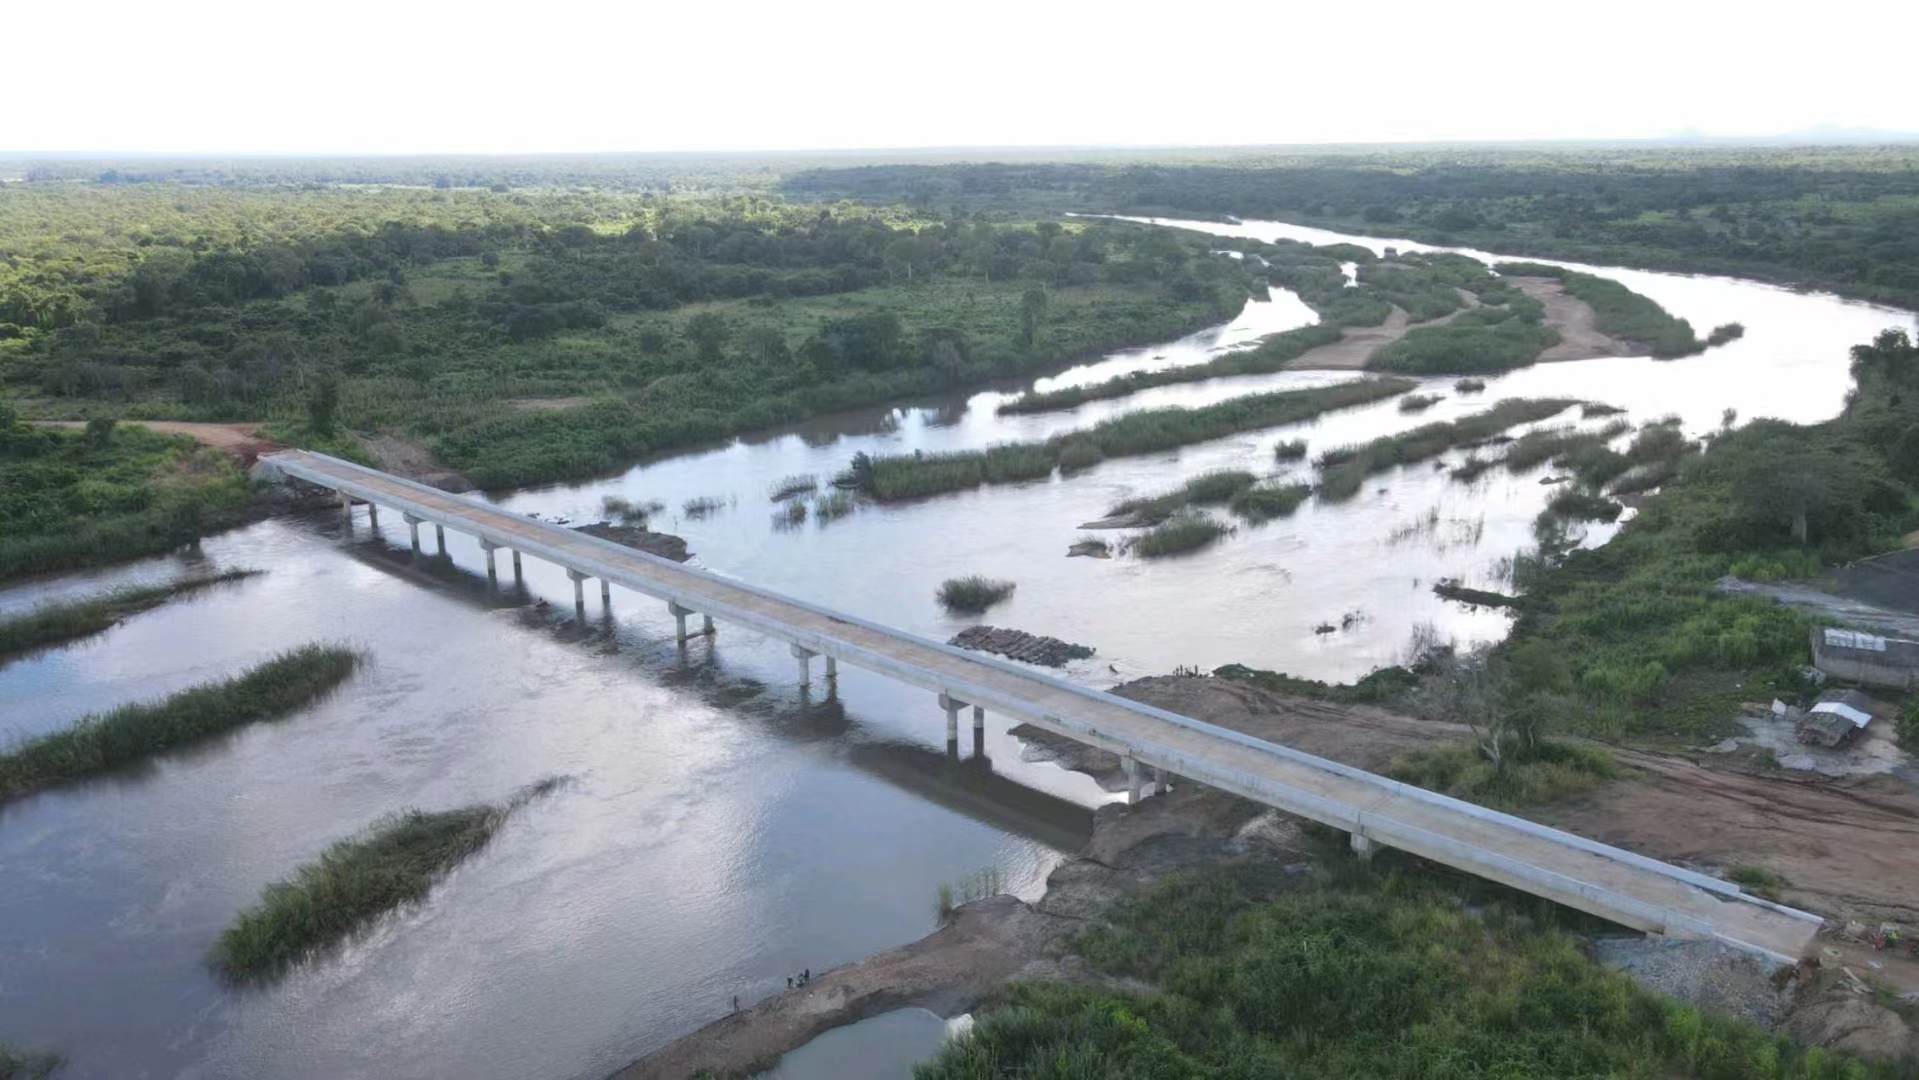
point(719, 831)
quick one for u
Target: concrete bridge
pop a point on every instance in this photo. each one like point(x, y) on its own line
point(1154, 744)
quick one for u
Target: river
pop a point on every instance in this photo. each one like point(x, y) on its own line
point(718, 832)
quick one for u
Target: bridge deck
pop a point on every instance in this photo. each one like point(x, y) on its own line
point(1608, 882)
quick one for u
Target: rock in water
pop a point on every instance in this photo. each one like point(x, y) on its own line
point(1020, 645)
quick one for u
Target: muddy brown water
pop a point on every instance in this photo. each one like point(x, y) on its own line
point(720, 831)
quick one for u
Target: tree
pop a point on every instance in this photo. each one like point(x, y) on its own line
point(708, 332)
point(1032, 312)
point(322, 405)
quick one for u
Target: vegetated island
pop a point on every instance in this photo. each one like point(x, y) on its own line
point(904, 476)
point(136, 732)
point(396, 861)
point(64, 621)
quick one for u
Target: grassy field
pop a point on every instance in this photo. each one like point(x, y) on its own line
point(395, 862)
point(1379, 973)
point(70, 620)
point(134, 733)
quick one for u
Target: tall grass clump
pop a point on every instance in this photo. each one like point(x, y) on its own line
point(132, 733)
point(790, 516)
point(1724, 333)
point(70, 620)
point(797, 484)
point(1469, 385)
point(832, 506)
point(629, 511)
point(395, 862)
point(985, 882)
point(1187, 530)
point(973, 593)
point(703, 506)
point(1264, 502)
point(1579, 506)
point(1290, 450)
point(1413, 403)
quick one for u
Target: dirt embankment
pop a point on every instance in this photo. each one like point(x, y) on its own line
point(986, 943)
point(1579, 334)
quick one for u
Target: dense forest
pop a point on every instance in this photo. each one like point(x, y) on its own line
point(1844, 218)
point(527, 336)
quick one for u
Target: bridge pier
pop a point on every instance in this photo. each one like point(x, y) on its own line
point(1132, 779)
point(832, 667)
point(707, 628)
point(492, 569)
point(373, 515)
point(518, 577)
point(606, 594)
point(952, 707)
point(1160, 784)
point(413, 526)
point(346, 508)
point(1363, 847)
point(805, 657)
point(439, 535)
point(579, 591)
point(679, 616)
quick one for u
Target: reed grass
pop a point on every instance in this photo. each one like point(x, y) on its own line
point(703, 506)
point(1265, 502)
point(356, 880)
point(1413, 403)
point(833, 506)
point(69, 620)
point(1290, 450)
point(973, 593)
point(1469, 386)
point(132, 733)
point(1344, 469)
point(1188, 530)
point(797, 484)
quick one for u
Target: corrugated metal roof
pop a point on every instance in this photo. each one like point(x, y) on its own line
point(1851, 704)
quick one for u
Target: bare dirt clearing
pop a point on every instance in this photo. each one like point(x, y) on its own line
point(243, 441)
point(1579, 335)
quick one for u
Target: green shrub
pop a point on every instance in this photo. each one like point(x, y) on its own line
point(974, 593)
point(1290, 450)
point(1413, 403)
point(18, 1064)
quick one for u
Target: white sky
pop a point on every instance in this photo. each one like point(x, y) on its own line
point(428, 76)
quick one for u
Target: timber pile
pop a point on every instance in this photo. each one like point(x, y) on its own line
point(1020, 645)
point(665, 545)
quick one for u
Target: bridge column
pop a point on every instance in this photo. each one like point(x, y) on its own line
point(439, 535)
point(707, 628)
point(679, 616)
point(1160, 784)
point(492, 569)
point(952, 707)
point(1132, 779)
point(413, 526)
point(606, 593)
point(579, 590)
point(805, 657)
point(518, 577)
point(979, 732)
point(373, 515)
point(832, 669)
point(1363, 846)
point(346, 507)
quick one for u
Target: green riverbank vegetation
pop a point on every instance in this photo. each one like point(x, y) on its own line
point(1149, 431)
point(546, 333)
point(1356, 972)
point(69, 620)
point(973, 593)
point(395, 862)
point(1619, 312)
point(1632, 641)
point(73, 499)
point(134, 733)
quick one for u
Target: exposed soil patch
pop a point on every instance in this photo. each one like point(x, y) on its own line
point(403, 457)
point(243, 441)
point(1356, 345)
point(665, 545)
point(1579, 335)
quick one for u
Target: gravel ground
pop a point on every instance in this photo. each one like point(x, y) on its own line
point(1709, 974)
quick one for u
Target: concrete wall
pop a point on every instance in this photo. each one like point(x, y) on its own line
point(1893, 667)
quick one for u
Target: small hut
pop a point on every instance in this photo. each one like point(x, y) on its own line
point(1837, 718)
